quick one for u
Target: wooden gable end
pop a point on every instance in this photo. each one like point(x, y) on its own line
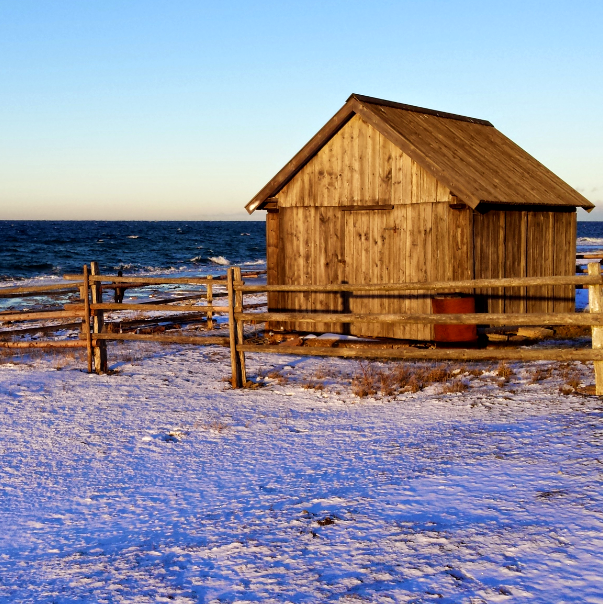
point(359, 166)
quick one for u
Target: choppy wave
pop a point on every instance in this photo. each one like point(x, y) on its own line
point(589, 241)
point(219, 260)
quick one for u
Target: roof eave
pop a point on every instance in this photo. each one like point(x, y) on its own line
point(303, 156)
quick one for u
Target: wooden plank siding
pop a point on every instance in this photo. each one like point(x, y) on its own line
point(360, 166)
point(525, 244)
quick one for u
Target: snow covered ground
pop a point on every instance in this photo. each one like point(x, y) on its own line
point(161, 484)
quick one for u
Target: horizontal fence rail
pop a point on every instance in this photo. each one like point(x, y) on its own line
point(427, 285)
point(448, 319)
point(552, 354)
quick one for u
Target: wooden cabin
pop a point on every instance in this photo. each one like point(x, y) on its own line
point(391, 193)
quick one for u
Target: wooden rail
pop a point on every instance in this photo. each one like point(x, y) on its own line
point(423, 286)
point(448, 319)
point(593, 281)
point(12, 316)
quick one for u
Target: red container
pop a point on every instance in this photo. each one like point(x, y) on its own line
point(454, 305)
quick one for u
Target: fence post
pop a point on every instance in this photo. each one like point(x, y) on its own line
point(236, 380)
point(595, 304)
point(240, 325)
point(210, 301)
point(86, 321)
point(100, 350)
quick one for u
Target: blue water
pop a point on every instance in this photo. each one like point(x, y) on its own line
point(590, 236)
point(47, 249)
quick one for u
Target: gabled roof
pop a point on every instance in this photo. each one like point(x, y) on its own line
point(470, 156)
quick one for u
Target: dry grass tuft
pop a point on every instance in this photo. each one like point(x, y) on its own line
point(540, 374)
point(505, 371)
point(366, 381)
point(311, 384)
point(455, 386)
point(214, 426)
point(279, 377)
point(404, 377)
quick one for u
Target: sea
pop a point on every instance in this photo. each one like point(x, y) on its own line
point(42, 251)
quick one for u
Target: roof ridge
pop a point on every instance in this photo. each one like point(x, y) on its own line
point(443, 114)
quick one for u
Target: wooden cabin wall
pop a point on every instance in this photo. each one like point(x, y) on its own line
point(525, 244)
point(415, 242)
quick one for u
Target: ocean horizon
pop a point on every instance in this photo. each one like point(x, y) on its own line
point(44, 250)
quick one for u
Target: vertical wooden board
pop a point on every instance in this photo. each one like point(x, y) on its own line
point(345, 141)
point(459, 239)
point(320, 176)
point(336, 168)
point(440, 252)
point(548, 257)
point(351, 261)
point(414, 262)
point(285, 268)
point(329, 166)
point(298, 228)
point(429, 186)
point(307, 225)
point(478, 263)
point(386, 258)
point(416, 185)
point(497, 259)
point(396, 252)
point(536, 296)
point(425, 332)
point(386, 153)
point(442, 193)
point(334, 273)
point(564, 254)
point(309, 193)
point(515, 265)
point(272, 253)
point(294, 190)
point(397, 176)
point(379, 243)
point(407, 179)
point(354, 161)
point(362, 157)
point(373, 165)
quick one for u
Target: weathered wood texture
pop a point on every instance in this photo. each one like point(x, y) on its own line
point(153, 337)
point(412, 242)
point(360, 166)
point(444, 319)
point(478, 159)
point(511, 244)
point(540, 354)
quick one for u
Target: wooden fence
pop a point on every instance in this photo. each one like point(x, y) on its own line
point(91, 309)
point(48, 291)
point(594, 319)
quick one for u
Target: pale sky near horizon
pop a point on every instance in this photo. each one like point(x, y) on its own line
point(145, 110)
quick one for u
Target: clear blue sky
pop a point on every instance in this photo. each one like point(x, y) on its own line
point(184, 109)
